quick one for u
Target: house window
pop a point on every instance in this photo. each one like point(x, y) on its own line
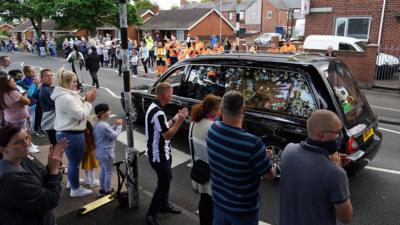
point(253, 16)
point(230, 15)
point(356, 27)
point(269, 14)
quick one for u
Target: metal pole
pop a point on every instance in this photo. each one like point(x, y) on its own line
point(237, 25)
point(220, 22)
point(131, 157)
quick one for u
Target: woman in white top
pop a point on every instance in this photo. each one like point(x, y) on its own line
point(202, 117)
point(72, 112)
point(74, 58)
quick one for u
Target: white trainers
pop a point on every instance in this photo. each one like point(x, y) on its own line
point(95, 183)
point(68, 186)
point(33, 149)
point(80, 192)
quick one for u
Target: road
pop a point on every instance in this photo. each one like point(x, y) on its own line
point(375, 196)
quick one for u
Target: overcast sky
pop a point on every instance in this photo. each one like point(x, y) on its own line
point(166, 4)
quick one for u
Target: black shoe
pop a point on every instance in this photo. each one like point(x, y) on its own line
point(170, 209)
point(152, 220)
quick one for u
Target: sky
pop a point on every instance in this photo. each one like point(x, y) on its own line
point(166, 4)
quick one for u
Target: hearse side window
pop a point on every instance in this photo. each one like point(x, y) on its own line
point(175, 78)
point(203, 80)
point(276, 91)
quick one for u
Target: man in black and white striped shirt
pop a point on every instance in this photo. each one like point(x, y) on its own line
point(159, 132)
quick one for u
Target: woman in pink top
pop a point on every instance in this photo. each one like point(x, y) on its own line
point(13, 103)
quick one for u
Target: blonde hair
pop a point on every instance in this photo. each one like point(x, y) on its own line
point(162, 88)
point(64, 77)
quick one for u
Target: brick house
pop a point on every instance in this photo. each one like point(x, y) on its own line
point(256, 16)
point(362, 20)
point(201, 22)
point(6, 27)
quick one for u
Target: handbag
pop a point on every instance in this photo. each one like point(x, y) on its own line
point(200, 171)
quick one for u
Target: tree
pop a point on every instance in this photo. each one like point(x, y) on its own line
point(34, 10)
point(143, 4)
point(90, 14)
point(205, 1)
point(174, 7)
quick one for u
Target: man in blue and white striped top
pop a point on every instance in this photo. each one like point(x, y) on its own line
point(237, 161)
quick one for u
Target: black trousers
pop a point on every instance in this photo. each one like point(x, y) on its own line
point(38, 118)
point(95, 79)
point(144, 62)
point(51, 135)
point(161, 195)
point(119, 61)
point(206, 209)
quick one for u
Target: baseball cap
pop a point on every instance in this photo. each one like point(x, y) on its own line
point(101, 108)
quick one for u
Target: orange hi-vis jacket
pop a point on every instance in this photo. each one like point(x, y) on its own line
point(183, 54)
point(173, 52)
point(160, 54)
point(193, 52)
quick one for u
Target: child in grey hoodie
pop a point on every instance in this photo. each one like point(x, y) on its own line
point(104, 137)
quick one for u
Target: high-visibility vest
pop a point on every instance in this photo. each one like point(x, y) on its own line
point(193, 52)
point(183, 54)
point(160, 54)
point(173, 52)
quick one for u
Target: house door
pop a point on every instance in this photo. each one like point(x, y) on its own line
point(180, 35)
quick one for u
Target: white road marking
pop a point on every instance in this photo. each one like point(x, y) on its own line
point(263, 223)
point(389, 130)
point(113, 70)
point(178, 157)
point(383, 170)
point(385, 108)
point(111, 93)
point(112, 115)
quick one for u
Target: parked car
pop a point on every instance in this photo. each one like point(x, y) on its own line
point(281, 92)
point(266, 38)
point(386, 65)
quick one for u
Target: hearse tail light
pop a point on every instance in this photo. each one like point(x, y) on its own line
point(352, 145)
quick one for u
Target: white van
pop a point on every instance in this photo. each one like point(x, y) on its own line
point(339, 43)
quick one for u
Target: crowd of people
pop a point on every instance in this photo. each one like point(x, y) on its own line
point(232, 160)
point(65, 118)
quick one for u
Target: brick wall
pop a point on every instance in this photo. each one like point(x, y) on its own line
point(360, 64)
point(324, 23)
point(279, 18)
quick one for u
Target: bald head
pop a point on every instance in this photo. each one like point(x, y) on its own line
point(321, 121)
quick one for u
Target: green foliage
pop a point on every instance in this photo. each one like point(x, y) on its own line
point(34, 10)
point(205, 1)
point(90, 14)
point(144, 4)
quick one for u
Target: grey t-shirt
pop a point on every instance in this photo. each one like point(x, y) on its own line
point(311, 184)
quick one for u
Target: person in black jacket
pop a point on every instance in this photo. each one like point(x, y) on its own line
point(28, 191)
point(93, 65)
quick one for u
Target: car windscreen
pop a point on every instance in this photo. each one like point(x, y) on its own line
point(346, 91)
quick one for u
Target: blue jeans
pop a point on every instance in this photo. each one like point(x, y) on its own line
point(74, 153)
point(32, 117)
point(221, 218)
point(106, 173)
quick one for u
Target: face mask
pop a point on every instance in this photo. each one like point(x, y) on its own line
point(330, 146)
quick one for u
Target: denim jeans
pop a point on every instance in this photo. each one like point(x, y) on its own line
point(161, 195)
point(106, 173)
point(32, 118)
point(222, 218)
point(74, 153)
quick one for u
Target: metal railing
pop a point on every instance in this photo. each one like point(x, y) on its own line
point(388, 67)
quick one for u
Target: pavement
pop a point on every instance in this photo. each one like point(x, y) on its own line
point(67, 211)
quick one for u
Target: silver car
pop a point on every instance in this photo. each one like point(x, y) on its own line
point(265, 38)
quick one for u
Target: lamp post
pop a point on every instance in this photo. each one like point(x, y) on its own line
point(131, 157)
point(238, 24)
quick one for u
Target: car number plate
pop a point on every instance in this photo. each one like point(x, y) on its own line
point(368, 134)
